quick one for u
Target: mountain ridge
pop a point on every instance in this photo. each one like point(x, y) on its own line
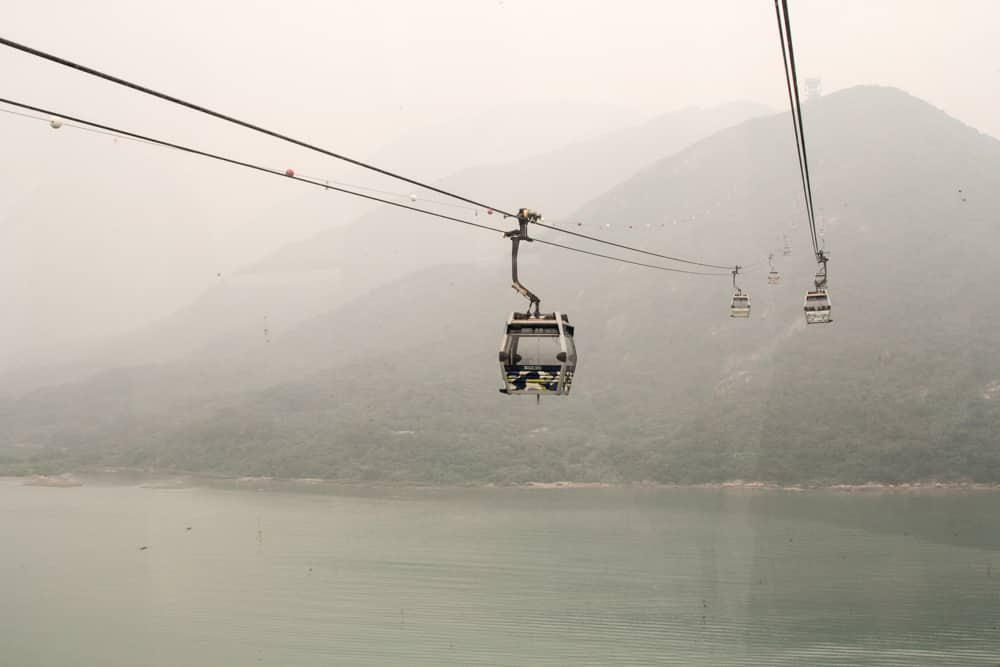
point(668, 388)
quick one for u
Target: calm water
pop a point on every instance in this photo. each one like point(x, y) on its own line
point(496, 576)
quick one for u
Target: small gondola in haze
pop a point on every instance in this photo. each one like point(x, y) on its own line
point(537, 354)
point(739, 306)
point(772, 276)
point(817, 302)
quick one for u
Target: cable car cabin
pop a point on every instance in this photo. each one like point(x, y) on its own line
point(817, 307)
point(773, 278)
point(537, 355)
point(786, 251)
point(740, 305)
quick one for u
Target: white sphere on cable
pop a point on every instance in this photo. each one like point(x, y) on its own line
point(55, 123)
point(413, 197)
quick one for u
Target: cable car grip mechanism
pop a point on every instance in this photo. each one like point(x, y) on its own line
point(524, 217)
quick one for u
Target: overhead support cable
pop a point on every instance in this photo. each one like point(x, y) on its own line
point(298, 142)
point(240, 163)
point(58, 122)
point(236, 121)
point(792, 83)
point(79, 123)
point(632, 249)
point(628, 261)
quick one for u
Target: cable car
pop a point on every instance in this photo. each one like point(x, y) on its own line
point(817, 307)
point(537, 354)
point(772, 276)
point(740, 305)
point(817, 303)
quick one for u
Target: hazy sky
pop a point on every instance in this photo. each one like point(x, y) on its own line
point(375, 70)
point(357, 77)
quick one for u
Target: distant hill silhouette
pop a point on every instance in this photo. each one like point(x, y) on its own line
point(904, 385)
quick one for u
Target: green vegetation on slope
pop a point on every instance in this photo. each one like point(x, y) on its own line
point(905, 385)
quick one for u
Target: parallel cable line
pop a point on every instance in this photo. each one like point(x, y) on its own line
point(792, 82)
point(639, 250)
point(240, 163)
point(627, 261)
point(236, 121)
point(353, 186)
point(118, 132)
point(277, 135)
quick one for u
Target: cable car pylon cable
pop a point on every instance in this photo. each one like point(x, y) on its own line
point(298, 142)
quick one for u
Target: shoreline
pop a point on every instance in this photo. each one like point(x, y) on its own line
point(180, 480)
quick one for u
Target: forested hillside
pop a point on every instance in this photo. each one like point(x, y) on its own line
point(904, 385)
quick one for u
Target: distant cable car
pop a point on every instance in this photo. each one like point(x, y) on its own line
point(787, 250)
point(817, 307)
point(772, 276)
point(537, 354)
point(740, 304)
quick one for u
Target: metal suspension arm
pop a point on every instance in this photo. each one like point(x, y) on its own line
point(524, 216)
point(820, 281)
